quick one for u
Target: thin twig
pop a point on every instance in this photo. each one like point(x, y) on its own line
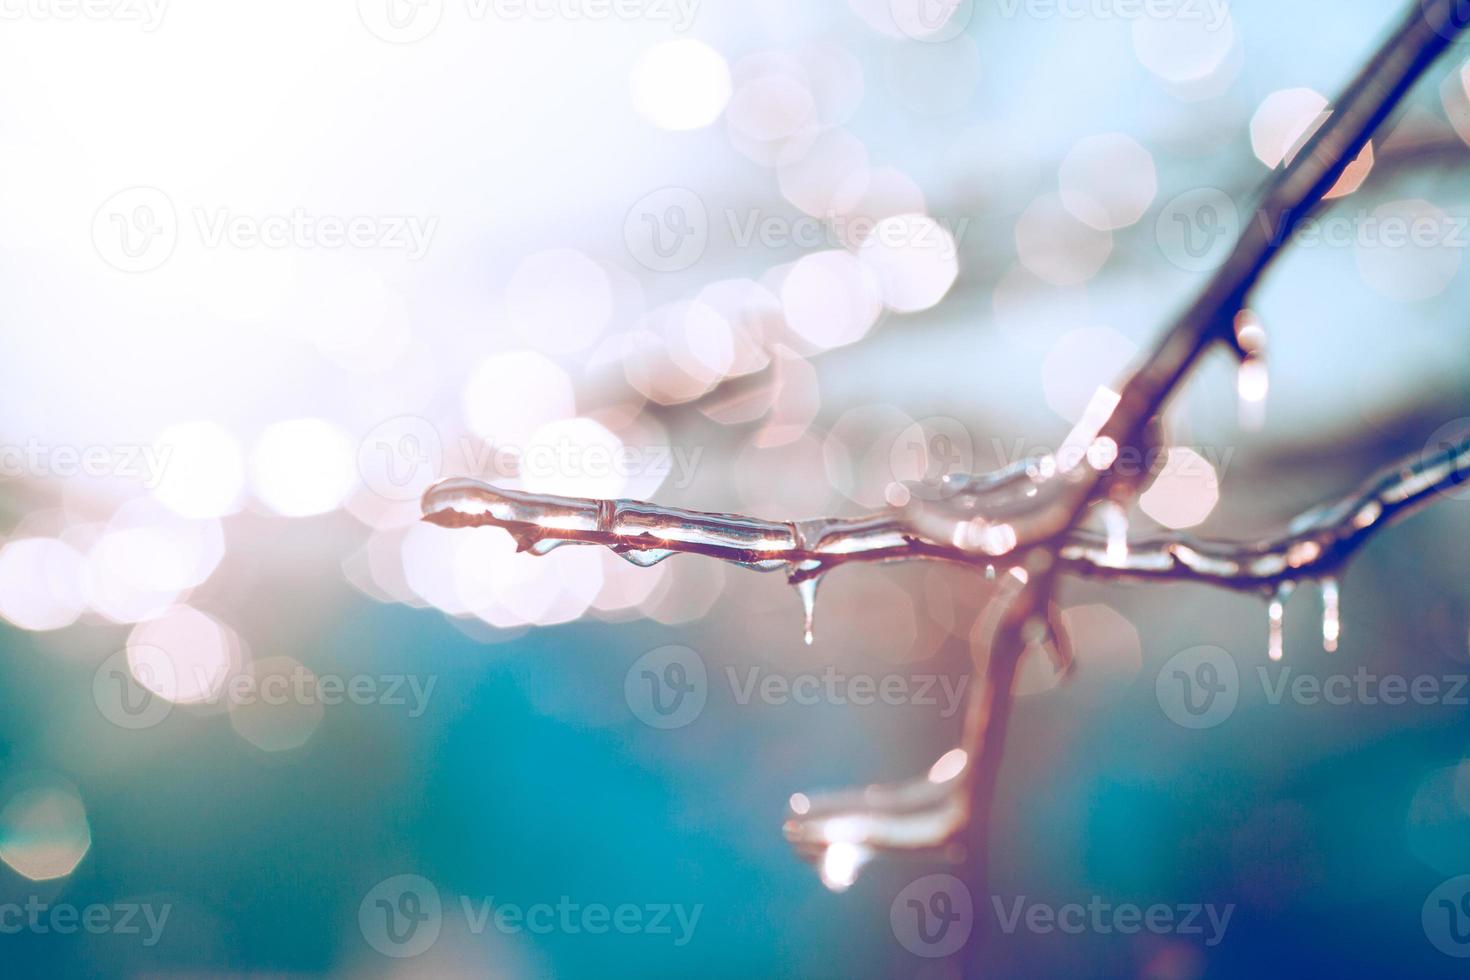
point(1316, 543)
point(1287, 200)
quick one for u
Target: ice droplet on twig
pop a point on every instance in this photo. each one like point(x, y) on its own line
point(807, 589)
point(1331, 615)
point(1115, 525)
point(1276, 620)
point(1252, 379)
point(1251, 384)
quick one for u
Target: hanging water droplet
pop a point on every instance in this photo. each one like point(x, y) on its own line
point(1276, 620)
point(643, 558)
point(1331, 615)
point(1252, 380)
point(1115, 524)
point(807, 589)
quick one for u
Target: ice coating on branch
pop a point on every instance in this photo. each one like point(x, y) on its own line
point(839, 832)
point(988, 520)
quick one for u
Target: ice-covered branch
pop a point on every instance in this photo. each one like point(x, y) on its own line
point(930, 811)
point(1031, 518)
point(1314, 544)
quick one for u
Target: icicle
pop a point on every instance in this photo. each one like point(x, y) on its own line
point(1331, 615)
point(1115, 523)
point(1252, 379)
point(1251, 384)
point(807, 589)
point(1276, 620)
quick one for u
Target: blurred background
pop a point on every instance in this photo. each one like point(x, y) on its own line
point(271, 269)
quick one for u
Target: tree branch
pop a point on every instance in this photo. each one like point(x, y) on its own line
point(1029, 518)
point(1316, 543)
